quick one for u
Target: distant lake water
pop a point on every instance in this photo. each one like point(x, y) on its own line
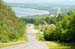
point(28, 11)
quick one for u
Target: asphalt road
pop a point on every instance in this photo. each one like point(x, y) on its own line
point(32, 43)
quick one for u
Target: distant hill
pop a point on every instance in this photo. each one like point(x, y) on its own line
point(52, 8)
point(11, 27)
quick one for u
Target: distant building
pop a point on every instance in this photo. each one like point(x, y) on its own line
point(44, 26)
point(52, 15)
point(52, 25)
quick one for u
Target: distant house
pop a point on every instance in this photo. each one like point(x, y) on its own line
point(51, 25)
point(44, 26)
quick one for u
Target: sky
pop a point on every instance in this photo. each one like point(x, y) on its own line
point(42, 1)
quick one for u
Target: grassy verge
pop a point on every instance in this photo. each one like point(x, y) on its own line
point(39, 36)
point(19, 41)
point(36, 27)
point(55, 44)
point(10, 44)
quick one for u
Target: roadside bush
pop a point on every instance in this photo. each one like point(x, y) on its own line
point(50, 34)
point(64, 30)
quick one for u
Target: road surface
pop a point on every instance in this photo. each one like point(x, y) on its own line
point(32, 43)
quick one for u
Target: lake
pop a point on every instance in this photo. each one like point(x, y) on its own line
point(28, 11)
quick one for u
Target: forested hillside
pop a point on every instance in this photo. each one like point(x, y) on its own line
point(11, 27)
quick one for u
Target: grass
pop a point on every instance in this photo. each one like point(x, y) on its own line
point(10, 44)
point(39, 36)
point(36, 27)
point(55, 44)
point(19, 41)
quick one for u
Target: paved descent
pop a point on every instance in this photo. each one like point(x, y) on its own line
point(33, 43)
